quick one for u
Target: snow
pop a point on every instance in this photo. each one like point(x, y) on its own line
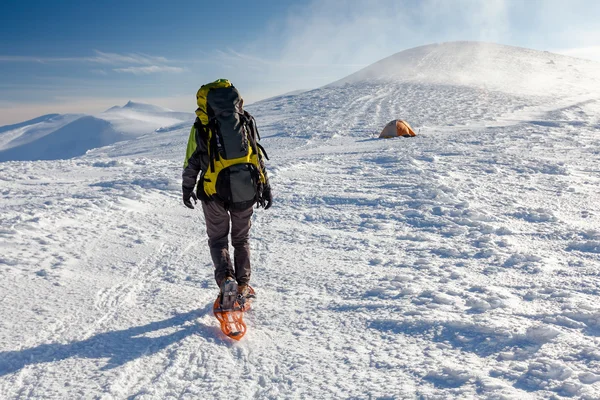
point(462, 263)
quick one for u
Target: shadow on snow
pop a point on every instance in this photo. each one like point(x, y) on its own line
point(119, 347)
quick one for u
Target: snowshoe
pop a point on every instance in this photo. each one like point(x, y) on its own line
point(232, 317)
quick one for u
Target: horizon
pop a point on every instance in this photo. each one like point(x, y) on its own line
point(84, 65)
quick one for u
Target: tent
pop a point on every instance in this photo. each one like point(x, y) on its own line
point(396, 128)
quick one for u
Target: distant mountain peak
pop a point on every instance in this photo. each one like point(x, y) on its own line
point(139, 107)
point(132, 105)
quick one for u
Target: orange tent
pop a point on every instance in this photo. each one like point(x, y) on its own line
point(395, 128)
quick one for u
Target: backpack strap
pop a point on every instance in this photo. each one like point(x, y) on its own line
point(257, 149)
point(262, 150)
point(252, 122)
point(213, 144)
point(201, 131)
point(254, 135)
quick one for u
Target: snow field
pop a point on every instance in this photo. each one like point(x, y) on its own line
point(462, 263)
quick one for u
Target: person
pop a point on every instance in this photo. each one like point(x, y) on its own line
point(227, 192)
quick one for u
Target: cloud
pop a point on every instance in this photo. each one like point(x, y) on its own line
point(149, 69)
point(100, 57)
point(367, 31)
point(119, 59)
point(33, 59)
point(132, 63)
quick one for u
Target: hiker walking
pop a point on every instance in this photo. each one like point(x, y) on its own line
point(223, 149)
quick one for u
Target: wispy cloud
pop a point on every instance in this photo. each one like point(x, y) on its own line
point(99, 58)
point(149, 69)
point(120, 59)
point(34, 59)
point(367, 31)
point(135, 63)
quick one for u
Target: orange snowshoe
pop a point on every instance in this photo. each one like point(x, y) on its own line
point(229, 309)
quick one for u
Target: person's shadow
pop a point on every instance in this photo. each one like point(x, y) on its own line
point(119, 347)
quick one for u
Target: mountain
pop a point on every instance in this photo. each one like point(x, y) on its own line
point(55, 136)
point(439, 85)
point(19, 134)
point(70, 140)
point(146, 107)
point(461, 263)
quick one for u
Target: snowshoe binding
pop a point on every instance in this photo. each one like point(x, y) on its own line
point(245, 296)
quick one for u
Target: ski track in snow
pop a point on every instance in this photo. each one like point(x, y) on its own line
point(461, 263)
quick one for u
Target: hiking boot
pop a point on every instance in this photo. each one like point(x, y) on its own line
point(229, 291)
point(245, 292)
point(222, 282)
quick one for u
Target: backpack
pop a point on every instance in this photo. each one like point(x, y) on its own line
point(235, 173)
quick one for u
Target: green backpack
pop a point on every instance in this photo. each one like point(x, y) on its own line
point(235, 173)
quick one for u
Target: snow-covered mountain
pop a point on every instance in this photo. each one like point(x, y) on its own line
point(70, 140)
point(484, 66)
point(55, 136)
point(25, 132)
point(441, 85)
point(462, 263)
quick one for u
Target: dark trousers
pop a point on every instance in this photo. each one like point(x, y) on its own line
point(218, 221)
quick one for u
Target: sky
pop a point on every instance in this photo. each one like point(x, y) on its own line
point(85, 56)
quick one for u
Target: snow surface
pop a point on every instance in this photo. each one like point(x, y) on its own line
point(462, 263)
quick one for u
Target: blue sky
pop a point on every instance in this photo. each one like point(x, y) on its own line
point(85, 56)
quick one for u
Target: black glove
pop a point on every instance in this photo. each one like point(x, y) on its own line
point(186, 199)
point(267, 197)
